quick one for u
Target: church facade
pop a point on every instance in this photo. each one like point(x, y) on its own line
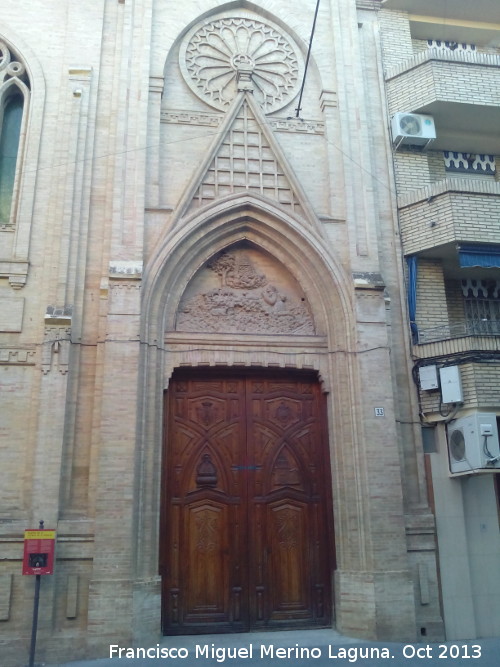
point(206, 372)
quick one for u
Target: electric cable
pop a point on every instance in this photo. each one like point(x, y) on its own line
point(298, 109)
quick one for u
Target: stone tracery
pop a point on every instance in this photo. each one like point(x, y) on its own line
point(10, 65)
point(218, 55)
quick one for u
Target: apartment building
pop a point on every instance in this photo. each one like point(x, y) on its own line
point(442, 72)
point(213, 386)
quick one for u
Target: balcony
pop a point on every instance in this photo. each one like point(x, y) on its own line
point(460, 89)
point(478, 329)
point(456, 10)
point(472, 309)
point(450, 339)
point(451, 210)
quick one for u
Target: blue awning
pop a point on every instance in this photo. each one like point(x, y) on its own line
point(412, 293)
point(487, 256)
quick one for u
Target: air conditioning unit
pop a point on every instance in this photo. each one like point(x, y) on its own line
point(412, 128)
point(473, 443)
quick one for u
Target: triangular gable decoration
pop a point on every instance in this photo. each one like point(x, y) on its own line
point(247, 158)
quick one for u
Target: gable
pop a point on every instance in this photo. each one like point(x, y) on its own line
point(246, 158)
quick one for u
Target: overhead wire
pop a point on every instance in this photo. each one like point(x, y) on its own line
point(214, 134)
point(298, 109)
point(200, 136)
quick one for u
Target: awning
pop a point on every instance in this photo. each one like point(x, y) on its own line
point(412, 293)
point(487, 256)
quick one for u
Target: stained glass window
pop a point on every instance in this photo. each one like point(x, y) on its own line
point(9, 146)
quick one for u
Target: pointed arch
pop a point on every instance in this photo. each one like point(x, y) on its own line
point(244, 128)
point(287, 468)
point(244, 217)
point(21, 77)
point(175, 261)
point(14, 106)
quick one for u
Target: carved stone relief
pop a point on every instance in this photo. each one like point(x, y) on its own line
point(203, 119)
point(22, 356)
point(230, 54)
point(55, 350)
point(244, 291)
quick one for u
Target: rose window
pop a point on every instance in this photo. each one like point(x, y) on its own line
point(217, 57)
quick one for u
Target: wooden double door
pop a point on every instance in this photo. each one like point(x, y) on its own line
point(246, 509)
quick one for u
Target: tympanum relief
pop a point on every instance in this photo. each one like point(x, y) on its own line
point(244, 291)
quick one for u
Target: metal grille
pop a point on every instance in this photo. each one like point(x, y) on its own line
point(483, 315)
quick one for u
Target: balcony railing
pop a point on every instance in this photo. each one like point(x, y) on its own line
point(459, 330)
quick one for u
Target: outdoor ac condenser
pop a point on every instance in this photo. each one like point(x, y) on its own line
point(412, 128)
point(473, 443)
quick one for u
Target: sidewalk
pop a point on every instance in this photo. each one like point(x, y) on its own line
point(299, 649)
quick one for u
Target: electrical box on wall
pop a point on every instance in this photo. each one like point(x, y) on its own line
point(428, 378)
point(451, 385)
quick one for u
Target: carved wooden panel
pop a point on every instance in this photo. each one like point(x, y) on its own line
point(287, 471)
point(290, 561)
point(206, 562)
point(202, 541)
point(245, 506)
point(289, 503)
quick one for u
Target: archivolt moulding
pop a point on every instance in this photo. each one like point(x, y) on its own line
point(244, 218)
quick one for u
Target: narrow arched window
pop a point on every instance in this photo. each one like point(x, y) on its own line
point(14, 103)
point(10, 132)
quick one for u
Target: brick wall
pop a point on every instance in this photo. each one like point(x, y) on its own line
point(455, 301)
point(487, 384)
point(431, 294)
point(414, 169)
point(449, 217)
point(411, 170)
point(396, 37)
point(424, 81)
point(480, 385)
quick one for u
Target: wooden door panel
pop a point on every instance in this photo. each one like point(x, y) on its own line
point(244, 506)
point(288, 562)
point(203, 505)
point(206, 566)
